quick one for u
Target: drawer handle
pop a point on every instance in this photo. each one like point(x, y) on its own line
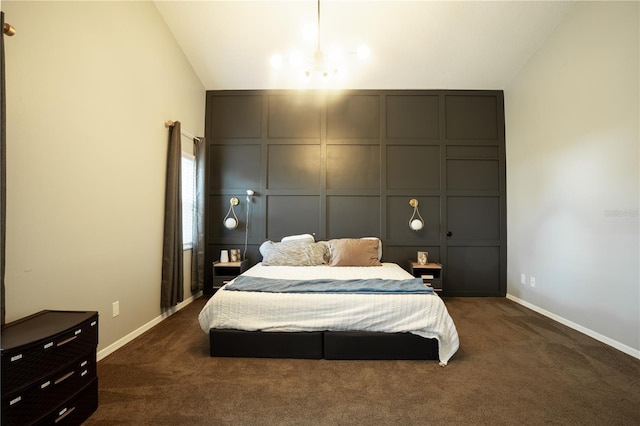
point(64, 413)
point(64, 342)
point(63, 378)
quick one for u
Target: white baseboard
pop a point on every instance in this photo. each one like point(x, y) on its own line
point(604, 339)
point(136, 333)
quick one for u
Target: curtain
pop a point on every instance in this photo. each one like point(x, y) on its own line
point(197, 252)
point(3, 173)
point(172, 288)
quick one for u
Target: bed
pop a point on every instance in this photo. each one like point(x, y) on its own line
point(332, 324)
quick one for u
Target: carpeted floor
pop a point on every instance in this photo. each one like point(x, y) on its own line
point(514, 366)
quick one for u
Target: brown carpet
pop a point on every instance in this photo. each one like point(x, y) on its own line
point(514, 366)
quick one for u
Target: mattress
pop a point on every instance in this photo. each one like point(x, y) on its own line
point(424, 315)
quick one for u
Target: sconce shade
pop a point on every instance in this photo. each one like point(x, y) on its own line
point(416, 224)
point(230, 223)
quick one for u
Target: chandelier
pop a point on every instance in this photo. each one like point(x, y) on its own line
point(324, 65)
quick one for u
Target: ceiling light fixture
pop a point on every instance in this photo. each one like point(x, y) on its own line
point(323, 65)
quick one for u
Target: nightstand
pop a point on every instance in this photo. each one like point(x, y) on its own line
point(431, 274)
point(223, 272)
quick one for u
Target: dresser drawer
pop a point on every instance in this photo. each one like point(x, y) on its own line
point(25, 406)
point(76, 409)
point(26, 363)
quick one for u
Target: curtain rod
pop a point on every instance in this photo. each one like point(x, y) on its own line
point(170, 123)
point(7, 29)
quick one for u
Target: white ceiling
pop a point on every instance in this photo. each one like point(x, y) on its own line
point(414, 44)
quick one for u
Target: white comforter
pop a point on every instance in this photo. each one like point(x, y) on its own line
point(420, 314)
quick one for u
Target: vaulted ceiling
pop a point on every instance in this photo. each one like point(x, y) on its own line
point(413, 44)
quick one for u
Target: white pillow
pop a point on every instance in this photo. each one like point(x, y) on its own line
point(302, 237)
point(379, 245)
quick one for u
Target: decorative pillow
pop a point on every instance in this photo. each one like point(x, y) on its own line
point(379, 245)
point(293, 253)
point(302, 237)
point(354, 252)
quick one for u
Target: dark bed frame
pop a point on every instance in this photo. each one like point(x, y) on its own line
point(336, 345)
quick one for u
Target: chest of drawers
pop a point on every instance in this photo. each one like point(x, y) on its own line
point(49, 368)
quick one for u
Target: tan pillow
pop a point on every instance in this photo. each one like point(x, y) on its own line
point(354, 252)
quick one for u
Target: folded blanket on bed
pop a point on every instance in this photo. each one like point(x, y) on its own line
point(358, 286)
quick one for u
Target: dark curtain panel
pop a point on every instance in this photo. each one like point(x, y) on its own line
point(197, 253)
point(3, 173)
point(172, 288)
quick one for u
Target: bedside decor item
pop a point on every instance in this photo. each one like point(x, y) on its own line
point(224, 256)
point(423, 257)
point(416, 222)
point(234, 255)
point(229, 221)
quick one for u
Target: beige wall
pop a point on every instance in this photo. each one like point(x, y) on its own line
point(572, 173)
point(89, 87)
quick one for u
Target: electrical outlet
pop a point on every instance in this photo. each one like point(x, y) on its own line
point(116, 308)
point(523, 279)
point(532, 281)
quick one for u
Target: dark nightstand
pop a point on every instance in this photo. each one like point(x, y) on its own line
point(223, 272)
point(431, 274)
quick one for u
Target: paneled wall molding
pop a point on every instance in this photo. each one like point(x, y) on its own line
point(346, 164)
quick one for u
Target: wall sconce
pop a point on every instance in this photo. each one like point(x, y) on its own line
point(228, 221)
point(416, 222)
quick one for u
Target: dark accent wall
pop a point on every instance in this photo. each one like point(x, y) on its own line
point(346, 164)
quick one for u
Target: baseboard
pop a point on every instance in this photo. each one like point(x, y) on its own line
point(136, 333)
point(604, 339)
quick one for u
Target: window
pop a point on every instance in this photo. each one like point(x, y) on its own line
point(188, 198)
